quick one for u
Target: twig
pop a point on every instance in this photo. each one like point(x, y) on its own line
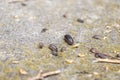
point(41, 75)
point(108, 61)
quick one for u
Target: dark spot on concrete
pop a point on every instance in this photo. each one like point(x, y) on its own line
point(44, 30)
point(65, 16)
point(80, 21)
point(97, 37)
point(41, 45)
point(23, 4)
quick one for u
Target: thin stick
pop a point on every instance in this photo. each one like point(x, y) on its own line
point(41, 75)
point(108, 61)
point(51, 73)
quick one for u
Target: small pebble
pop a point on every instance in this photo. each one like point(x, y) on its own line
point(81, 55)
point(97, 37)
point(95, 73)
point(63, 49)
point(69, 61)
point(23, 72)
point(41, 45)
point(75, 46)
point(68, 39)
point(80, 21)
point(15, 62)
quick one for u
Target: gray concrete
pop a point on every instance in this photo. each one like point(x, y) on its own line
point(20, 34)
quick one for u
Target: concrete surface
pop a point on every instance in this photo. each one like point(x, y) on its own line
point(21, 24)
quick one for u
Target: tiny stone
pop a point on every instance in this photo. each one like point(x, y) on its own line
point(23, 72)
point(41, 45)
point(80, 21)
point(69, 61)
point(75, 45)
point(63, 49)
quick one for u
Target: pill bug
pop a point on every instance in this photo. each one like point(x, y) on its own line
point(68, 39)
point(54, 49)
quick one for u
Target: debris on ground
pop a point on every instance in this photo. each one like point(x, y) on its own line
point(41, 75)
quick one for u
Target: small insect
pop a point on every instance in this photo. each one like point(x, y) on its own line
point(54, 49)
point(80, 21)
point(68, 39)
point(100, 55)
point(44, 30)
point(41, 45)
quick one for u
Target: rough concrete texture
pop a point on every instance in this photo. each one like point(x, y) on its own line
point(21, 23)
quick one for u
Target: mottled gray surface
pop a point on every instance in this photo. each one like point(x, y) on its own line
point(20, 34)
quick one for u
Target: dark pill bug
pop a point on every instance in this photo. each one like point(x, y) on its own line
point(68, 39)
point(41, 45)
point(44, 30)
point(80, 21)
point(54, 49)
point(100, 55)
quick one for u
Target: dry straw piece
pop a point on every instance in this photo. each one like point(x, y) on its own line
point(41, 76)
point(108, 61)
